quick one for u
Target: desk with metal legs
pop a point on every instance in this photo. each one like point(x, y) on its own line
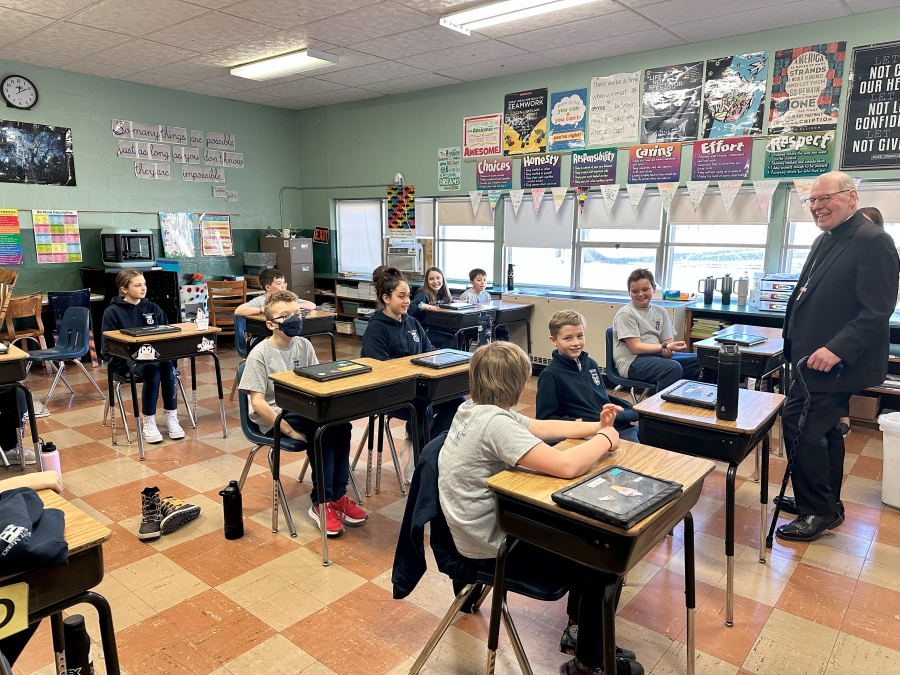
point(314, 323)
point(13, 369)
point(458, 321)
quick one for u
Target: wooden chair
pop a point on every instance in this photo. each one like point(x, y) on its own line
point(5, 298)
point(8, 277)
point(22, 307)
point(224, 298)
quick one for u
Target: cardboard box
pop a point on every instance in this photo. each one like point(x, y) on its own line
point(865, 407)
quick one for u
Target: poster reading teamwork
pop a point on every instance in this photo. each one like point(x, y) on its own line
point(525, 122)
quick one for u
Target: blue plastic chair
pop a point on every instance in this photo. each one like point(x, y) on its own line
point(60, 301)
point(71, 345)
point(240, 345)
point(613, 375)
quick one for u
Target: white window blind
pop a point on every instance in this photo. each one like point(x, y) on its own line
point(424, 217)
point(545, 229)
point(622, 216)
point(745, 210)
point(885, 199)
point(359, 235)
point(459, 212)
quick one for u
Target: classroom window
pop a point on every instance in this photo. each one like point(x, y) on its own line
point(360, 225)
point(539, 244)
point(465, 240)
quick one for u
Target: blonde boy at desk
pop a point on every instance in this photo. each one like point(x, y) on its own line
point(644, 347)
point(487, 437)
point(271, 280)
point(282, 352)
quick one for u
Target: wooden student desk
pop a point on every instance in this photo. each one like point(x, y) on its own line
point(696, 431)
point(188, 343)
point(12, 374)
point(387, 387)
point(54, 589)
point(314, 323)
point(757, 361)
point(502, 313)
point(526, 511)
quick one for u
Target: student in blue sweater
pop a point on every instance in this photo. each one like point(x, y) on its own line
point(434, 292)
point(571, 386)
point(392, 333)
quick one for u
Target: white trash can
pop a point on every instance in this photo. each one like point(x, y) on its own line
point(890, 474)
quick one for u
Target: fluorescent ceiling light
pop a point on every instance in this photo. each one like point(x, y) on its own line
point(286, 64)
point(468, 20)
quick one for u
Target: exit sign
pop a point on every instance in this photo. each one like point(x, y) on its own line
point(320, 235)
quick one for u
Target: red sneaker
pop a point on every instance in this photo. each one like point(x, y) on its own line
point(333, 525)
point(347, 509)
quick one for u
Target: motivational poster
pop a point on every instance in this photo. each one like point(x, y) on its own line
point(734, 95)
point(525, 122)
point(215, 235)
point(593, 167)
point(798, 155)
point(654, 163)
point(806, 88)
point(614, 109)
point(721, 159)
point(542, 171)
point(494, 174)
point(449, 169)
point(10, 238)
point(481, 136)
point(568, 120)
point(872, 117)
point(671, 103)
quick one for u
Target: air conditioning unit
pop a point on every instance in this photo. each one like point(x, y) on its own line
point(405, 258)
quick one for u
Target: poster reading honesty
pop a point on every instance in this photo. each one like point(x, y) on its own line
point(721, 159)
point(541, 171)
point(654, 163)
point(481, 135)
point(798, 155)
point(593, 167)
point(449, 169)
point(614, 108)
point(493, 174)
point(671, 110)
point(734, 95)
point(568, 119)
point(872, 118)
point(525, 122)
point(806, 88)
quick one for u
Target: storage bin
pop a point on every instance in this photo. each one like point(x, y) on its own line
point(350, 307)
point(169, 265)
point(890, 474)
point(344, 327)
point(360, 325)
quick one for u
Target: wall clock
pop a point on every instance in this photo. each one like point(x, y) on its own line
point(19, 92)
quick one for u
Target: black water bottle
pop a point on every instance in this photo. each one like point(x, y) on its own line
point(510, 282)
point(233, 510)
point(729, 382)
point(79, 659)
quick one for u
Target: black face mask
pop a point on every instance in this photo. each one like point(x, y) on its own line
point(291, 326)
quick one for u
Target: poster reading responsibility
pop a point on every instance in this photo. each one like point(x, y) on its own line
point(806, 88)
point(734, 95)
point(614, 109)
point(568, 119)
point(449, 168)
point(798, 155)
point(671, 109)
point(593, 167)
point(525, 122)
point(872, 118)
point(481, 136)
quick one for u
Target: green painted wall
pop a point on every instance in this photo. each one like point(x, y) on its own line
point(367, 142)
point(266, 135)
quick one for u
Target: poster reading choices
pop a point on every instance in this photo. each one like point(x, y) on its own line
point(806, 88)
point(671, 109)
point(568, 119)
point(614, 109)
point(449, 168)
point(481, 136)
point(593, 167)
point(872, 119)
point(493, 174)
point(10, 238)
point(56, 236)
point(525, 122)
point(734, 95)
point(654, 163)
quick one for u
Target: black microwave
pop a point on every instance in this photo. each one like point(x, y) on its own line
point(127, 248)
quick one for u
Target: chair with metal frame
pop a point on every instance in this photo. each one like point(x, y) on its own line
point(60, 301)
point(613, 376)
point(240, 346)
point(120, 380)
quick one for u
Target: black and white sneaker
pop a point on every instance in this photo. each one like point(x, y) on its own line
point(844, 428)
point(151, 514)
point(176, 513)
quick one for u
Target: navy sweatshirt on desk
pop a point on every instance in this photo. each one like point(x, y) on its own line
point(387, 338)
point(121, 314)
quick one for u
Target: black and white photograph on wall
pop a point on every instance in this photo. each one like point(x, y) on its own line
point(36, 154)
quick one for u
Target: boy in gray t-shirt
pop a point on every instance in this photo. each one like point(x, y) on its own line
point(271, 280)
point(644, 348)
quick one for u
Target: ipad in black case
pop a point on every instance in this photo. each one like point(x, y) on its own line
point(144, 331)
point(742, 339)
point(333, 370)
point(443, 358)
point(688, 392)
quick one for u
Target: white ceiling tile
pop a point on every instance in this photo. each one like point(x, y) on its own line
point(681, 11)
point(376, 72)
point(340, 96)
point(180, 73)
point(414, 83)
point(299, 88)
point(573, 34)
point(369, 22)
point(251, 97)
point(286, 13)
point(273, 44)
point(580, 13)
point(417, 41)
point(17, 25)
point(112, 70)
point(489, 50)
point(71, 42)
point(293, 104)
point(614, 46)
point(860, 6)
point(134, 17)
point(735, 24)
point(140, 55)
point(435, 7)
point(56, 9)
point(38, 57)
point(209, 32)
point(481, 71)
point(213, 4)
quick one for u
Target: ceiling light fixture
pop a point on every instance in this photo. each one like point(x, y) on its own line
point(467, 20)
point(286, 64)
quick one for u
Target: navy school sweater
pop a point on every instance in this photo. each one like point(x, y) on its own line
point(386, 338)
point(122, 314)
point(570, 389)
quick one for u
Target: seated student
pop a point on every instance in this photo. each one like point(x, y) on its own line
point(643, 345)
point(487, 437)
point(12, 409)
point(132, 310)
point(571, 386)
point(271, 280)
point(285, 350)
point(393, 333)
point(433, 291)
point(477, 294)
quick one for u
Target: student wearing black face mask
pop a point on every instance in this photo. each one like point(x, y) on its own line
point(283, 351)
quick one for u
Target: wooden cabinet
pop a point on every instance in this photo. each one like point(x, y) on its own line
point(294, 259)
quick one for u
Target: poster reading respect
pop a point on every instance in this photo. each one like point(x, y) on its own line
point(525, 122)
point(806, 88)
point(671, 110)
point(654, 163)
point(798, 155)
point(568, 119)
point(734, 95)
point(872, 119)
point(481, 136)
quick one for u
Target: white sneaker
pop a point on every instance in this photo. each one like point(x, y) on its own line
point(173, 428)
point(407, 465)
point(13, 457)
point(150, 431)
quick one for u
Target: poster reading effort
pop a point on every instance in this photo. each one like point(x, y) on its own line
point(671, 110)
point(525, 122)
point(734, 96)
point(806, 88)
point(481, 136)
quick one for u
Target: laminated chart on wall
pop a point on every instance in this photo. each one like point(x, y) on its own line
point(10, 238)
point(56, 236)
point(177, 231)
point(215, 234)
point(401, 207)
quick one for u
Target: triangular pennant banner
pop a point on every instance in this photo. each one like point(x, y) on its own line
point(559, 196)
point(667, 192)
point(803, 187)
point(635, 192)
point(764, 191)
point(537, 196)
point(696, 189)
point(581, 194)
point(729, 190)
point(515, 196)
point(475, 198)
point(610, 193)
point(856, 181)
point(494, 197)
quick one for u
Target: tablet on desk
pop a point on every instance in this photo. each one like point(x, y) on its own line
point(742, 339)
point(145, 331)
point(334, 370)
point(444, 358)
point(456, 305)
point(687, 392)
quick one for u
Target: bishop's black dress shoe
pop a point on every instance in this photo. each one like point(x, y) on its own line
point(789, 505)
point(808, 528)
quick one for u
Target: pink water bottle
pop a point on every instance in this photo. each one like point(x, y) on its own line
point(50, 458)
